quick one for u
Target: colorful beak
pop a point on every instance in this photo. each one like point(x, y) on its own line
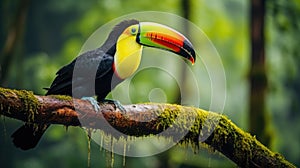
point(163, 37)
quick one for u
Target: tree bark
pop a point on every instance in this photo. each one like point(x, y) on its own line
point(141, 120)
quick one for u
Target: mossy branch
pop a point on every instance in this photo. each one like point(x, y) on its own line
point(198, 126)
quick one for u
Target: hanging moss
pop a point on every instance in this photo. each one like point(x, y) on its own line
point(5, 93)
point(30, 103)
point(187, 121)
point(217, 131)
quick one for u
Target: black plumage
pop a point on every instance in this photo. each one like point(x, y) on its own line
point(93, 65)
point(89, 74)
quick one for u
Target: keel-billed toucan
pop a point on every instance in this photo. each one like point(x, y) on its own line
point(118, 58)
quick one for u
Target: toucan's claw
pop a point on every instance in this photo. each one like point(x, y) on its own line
point(117, 104)
point(94, 102)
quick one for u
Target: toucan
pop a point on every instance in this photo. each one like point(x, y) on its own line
point(117, 59)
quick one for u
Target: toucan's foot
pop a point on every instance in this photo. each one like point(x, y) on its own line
point(93, 101)
point(116, 103)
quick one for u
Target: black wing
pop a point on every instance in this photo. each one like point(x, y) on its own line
point(79, 75)
point(62, 82)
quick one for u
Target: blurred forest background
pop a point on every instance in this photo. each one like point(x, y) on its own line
point(39, 37)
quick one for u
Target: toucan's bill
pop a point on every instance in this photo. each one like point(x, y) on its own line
point(160, 36)
point(133, 38)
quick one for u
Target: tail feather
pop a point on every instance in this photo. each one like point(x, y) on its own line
point(28, 136)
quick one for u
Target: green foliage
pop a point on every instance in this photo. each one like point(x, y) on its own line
point(284, 26)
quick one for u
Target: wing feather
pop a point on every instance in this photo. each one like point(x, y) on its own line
point(85, 64)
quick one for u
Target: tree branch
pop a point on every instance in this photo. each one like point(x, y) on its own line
point(141, 120)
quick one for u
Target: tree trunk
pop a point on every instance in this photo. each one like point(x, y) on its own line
point(258, 79)
point(12, 42)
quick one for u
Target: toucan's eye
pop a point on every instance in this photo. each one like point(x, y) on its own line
point(133, 31)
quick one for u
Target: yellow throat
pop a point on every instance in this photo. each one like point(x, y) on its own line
point(128, 55)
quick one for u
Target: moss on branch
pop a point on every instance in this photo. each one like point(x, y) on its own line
point(182, 124)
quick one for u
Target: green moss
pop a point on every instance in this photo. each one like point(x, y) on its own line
point(196, 130)
point(62, 97)
point(217, 131)
point(30, 103)
point(243, 143)
point(201, 124)
point(186, 121)
point(167, 117)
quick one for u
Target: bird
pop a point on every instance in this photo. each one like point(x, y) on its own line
point(117, 59)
